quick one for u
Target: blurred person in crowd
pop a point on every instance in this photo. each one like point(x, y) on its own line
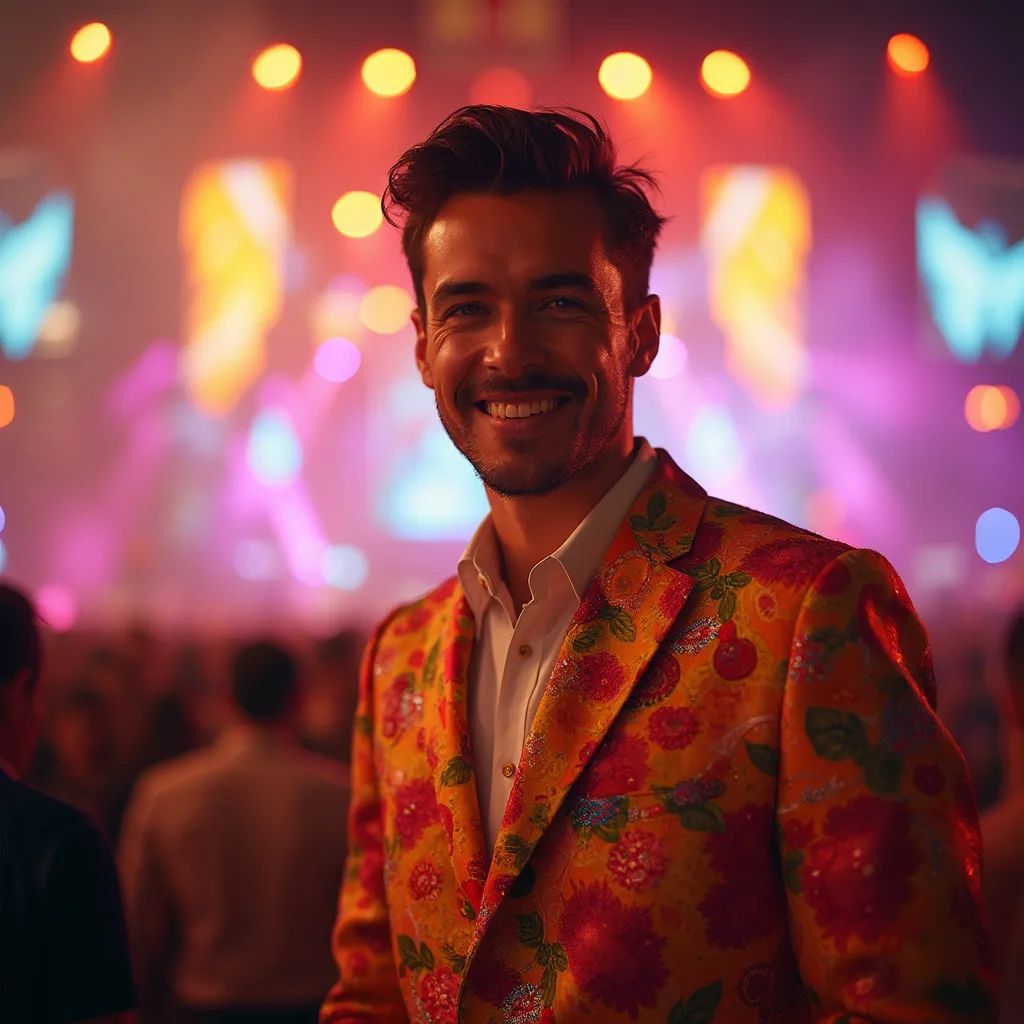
point(647, 755)
point(1003, 829)
point(63, 949)
point(329, 707)
point(231, 857)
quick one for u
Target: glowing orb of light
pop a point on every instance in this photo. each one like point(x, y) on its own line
point(907, 55)
point(57, 606)
point(274, 453)
point(988, 407)
point(59, 329)
point(671, 358)
point(357, 214)
point(724, 73)
point(3, 556)
point(91, 42)
point(256, 559)
point(389, 72)
point(3, 519)
point(996, 535)
point(6, 406)
point(386, 308)
point(277, 67)
point(345, 567)
point(337, 360)
point(624, 75)
point(503, 87)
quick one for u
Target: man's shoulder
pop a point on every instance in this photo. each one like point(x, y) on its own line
point(44, 815)
point(417, 616)
point(183, 773)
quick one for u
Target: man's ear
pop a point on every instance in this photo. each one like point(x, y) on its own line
point(646, 329)
point(421, 348)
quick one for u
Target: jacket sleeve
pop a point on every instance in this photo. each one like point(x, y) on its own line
point(880, 845)
point(367, 988)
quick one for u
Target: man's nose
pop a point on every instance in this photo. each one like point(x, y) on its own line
point(512, 348)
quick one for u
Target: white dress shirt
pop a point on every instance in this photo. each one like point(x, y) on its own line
point(513, 658)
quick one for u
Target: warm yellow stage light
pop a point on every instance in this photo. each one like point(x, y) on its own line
point(908, 56)
point(357, 214)
point(386, 308)
point(6, 405)
point(724, 73)
point(989, 407)
point(389, 72)
point(277, 67)
point(625, 76)
point(90, 42)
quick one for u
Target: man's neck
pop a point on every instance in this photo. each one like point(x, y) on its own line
point(531, 528)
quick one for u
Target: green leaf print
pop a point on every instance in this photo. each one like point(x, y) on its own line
point(699, 1008)
point(530, 929)
point(456, 772)
point(763, 757)
point(836, 734)
point(882, 770)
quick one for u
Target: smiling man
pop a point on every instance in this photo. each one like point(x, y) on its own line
point(647, 755)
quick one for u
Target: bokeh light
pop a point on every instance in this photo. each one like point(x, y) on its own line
point(277, 67)
point(996, 535)
point(257, 559)
point(357, 214)
point(345, 567)
point(3, 519)
point(59, 330)
point(274, 453)
point(624, 75)
point(3, 556)
point(91, 42)
point(990, 407)
point(908, 56)
point(336, 312)
point(57, 606)
point(389, 72)
point(337, 360)
point(386, 308)
point(6, 406)
point(502, 86)
point(724, 73)
point(671, 358)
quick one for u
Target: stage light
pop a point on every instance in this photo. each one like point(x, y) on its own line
point(3, 556)
point(91, 42)
point(908, 56)
point(389, 72)
point(274, 453)
point(277, 67)
point(724, 73)
point(624, 75)
point(256, 559)
point(386, 308)
point(504, 87)
point(991, 408)
point(336, 312)
point(357, 214)
point(6, 405)
point(3, 519)
point(345, 567)
point(57, 606)
point(671, 358)
point(337, 360)
point(59, 330)
point(996, 535)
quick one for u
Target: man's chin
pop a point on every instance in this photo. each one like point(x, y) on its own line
point(519, 481)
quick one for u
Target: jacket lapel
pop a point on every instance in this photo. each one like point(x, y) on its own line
point(628, 608)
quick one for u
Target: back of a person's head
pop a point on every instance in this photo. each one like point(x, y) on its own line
point(503, 150)
point(20, 641)
point(263, 681)
point(1013, 653)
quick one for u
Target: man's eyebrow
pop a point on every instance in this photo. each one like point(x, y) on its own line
point(564, 280)
point(453, 289)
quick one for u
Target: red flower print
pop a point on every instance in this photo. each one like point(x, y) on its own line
point(774, 989)
point(620, 766)
point(657, 683)
point(706, 541)
point(834, 579)
point(371, 877)
point(614, 953)
point(523, 1005)
point(399, 705)
point(416, 658)
point(638, 861)
point(593, 601)
point(415, 809)
point(673, 728)
point(718, 707)
point(447, 822)
point(599, 677)
point(793, 562)
point(624, 581)
point(673, 596)
point(514, 806)
point(869, 981)
point(929, 779)
point(857, 877)
point(424, 881)
point(492, 982)
point(797, 834)
point(439, 994)
point(413, 619)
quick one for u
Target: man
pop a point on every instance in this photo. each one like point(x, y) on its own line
point(63, 950)
point(1003, 828)
point(230, 857)
point(648, 755)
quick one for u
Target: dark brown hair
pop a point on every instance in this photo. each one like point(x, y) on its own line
point(21, 647)
point(502, 150)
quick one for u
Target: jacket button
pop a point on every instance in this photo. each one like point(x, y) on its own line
point(508, 770)
point(525, 650)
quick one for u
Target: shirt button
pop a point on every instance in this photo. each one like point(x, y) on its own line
point(508, 770)
point(525, 650)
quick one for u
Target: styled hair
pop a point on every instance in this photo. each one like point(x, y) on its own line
point(263, 680)
point(503, 150)
point(21, 646)
point(1013, 653)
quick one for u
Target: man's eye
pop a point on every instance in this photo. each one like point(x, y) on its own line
point(564, 302)
point(463, 310)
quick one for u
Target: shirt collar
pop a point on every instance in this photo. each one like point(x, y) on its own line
point(479, 567)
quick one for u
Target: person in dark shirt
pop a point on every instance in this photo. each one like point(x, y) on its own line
point(63, 946)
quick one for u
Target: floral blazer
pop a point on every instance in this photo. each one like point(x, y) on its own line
point(735, 804)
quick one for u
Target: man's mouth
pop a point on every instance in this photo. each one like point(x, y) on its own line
point(520, 410)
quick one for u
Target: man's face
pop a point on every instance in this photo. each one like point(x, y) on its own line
point(524, 338)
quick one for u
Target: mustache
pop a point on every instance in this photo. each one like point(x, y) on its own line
point(504, 386)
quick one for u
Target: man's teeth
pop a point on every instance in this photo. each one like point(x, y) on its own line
point(507, 411)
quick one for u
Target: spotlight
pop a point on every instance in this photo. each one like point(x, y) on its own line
point(91, 42)
point(988, 407)
point(908, 56)
point(386, 308)
point(625, 76)
point(357, 214)
point(389, 72)
point(724, 73)
point(277, 67)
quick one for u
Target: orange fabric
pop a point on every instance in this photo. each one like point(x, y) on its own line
point(735, 803)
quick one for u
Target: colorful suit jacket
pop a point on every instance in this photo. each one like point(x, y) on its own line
point(735, 804)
